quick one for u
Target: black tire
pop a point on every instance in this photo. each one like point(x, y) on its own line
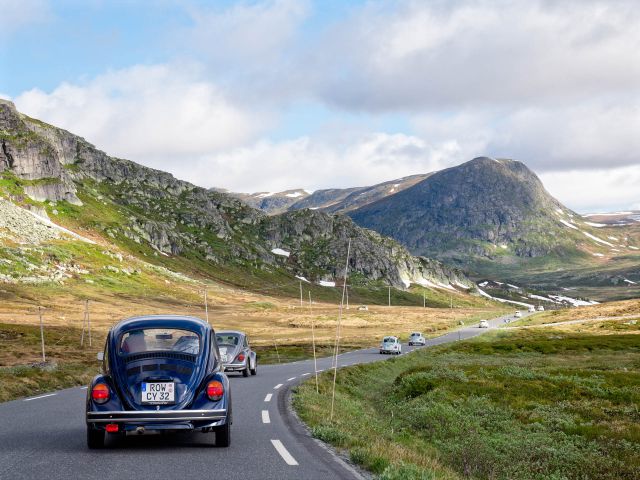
point(245, 372)
point(223, 435)
point(254, 371)
point(95, 438)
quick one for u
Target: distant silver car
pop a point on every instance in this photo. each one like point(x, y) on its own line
point(540, 308)
point(391, 345)
point(236, 354)
point(483, 324)
point(518, 314)
point(416, 338)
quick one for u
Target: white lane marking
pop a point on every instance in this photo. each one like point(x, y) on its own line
point(284, 453)
point(289, 379)
point(305, 374)
point(41, 396)
point(268, 397)
point(320, 371)
point(83, 388)
point(265, 416)
point(277, 386)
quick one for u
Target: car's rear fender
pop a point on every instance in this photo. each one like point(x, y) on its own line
point(114, 402)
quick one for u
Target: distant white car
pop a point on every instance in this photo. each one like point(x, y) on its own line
point(518, 314)
point(483, 324)
point(391, 345)
point(416, 338)
point(532, 308)
point(540, 308)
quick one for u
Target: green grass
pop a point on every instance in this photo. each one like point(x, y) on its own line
point(507, 405)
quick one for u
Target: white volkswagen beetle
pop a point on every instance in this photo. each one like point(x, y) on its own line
point(391, 345)
point(416, 338)
point(483, 324)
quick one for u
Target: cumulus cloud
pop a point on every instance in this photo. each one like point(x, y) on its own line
point(322, 162)
point(417, 55)
point(598, 190)
point(160, 115)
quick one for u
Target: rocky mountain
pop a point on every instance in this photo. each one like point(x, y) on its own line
point(495, 218)
point(333, 200)
point(272, 202)
point(342, 200)
point(154, 216)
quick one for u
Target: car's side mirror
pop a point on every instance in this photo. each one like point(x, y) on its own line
point(100, 356)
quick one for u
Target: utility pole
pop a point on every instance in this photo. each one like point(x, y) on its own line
point(301, 293)
point(313, 341)
point(206, 306)
point(347, 291)
point(424, 299)
point(450, 301)
point(389, 295)
point(88, 322)
point(44, 359)
point(338, 332)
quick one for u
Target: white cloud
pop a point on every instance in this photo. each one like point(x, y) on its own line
point(414, 55)
point(596, 190)
point(160, 115)
point(321, 162)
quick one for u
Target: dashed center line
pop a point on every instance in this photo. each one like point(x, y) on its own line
point(83, 388)
point(284, 453)
point(265, 416)
point(305, 374)
point(268, 397)
point(41, 396)
point(289, 379)
point(277, 386)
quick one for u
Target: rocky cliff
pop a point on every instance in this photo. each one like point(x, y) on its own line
point(135, 206)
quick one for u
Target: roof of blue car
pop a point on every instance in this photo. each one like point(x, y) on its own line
point(162, 321)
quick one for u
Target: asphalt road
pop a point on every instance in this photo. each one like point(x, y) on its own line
point(43, 437)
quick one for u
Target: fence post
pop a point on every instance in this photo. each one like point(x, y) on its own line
point(44, 358)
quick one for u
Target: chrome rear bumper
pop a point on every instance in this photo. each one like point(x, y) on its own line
point(137, 416)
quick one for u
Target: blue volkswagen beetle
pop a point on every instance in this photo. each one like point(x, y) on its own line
point(160, 373)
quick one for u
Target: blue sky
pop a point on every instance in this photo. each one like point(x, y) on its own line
point(270, 95)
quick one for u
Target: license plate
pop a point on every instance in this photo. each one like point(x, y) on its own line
point(225, 359)
point(158, 393)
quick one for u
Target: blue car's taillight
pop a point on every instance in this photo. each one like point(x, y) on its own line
point(100, 393)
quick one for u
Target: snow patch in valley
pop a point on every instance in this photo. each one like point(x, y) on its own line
point(502, 300)
point(596, 239)
point(539, 297)
point(302, 278)
point(264, 194)
point(598, 255)
point(634, 248)
point(573, 301)
point(597, 225)
point(630, 282)
point(281, 252)
point(570, 225)
point(293, 195)
point(615, 239)
point(325, 283)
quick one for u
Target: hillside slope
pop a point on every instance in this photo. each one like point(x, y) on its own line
point(495, 218)
point(154, 216)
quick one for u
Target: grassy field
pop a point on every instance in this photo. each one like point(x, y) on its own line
point(517, 404)
point(279, 329)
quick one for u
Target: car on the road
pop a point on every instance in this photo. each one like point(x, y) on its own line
point(518, 314)
point(236, 353)
point(391, 345)
point(532, 309)
point(416, 338)
point(540, 308)
point(483, 324)
point(160, 374)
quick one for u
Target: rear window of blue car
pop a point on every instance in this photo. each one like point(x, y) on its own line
point(158, 340)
